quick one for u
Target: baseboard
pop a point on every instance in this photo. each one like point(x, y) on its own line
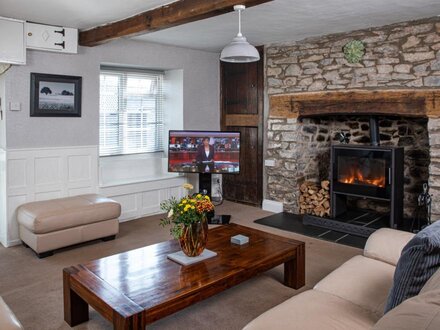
point(13, 242)
point(272, 206)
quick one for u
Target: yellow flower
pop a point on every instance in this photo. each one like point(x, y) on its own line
point(184, 201)
point(192, 200)
point(188, 186)
point(207, 198)
point(199, 196)
point(180, 204)
point(192, 207)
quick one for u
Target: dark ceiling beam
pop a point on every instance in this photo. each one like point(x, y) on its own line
point(173, 14)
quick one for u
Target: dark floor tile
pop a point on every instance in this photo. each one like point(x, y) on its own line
point(355, 241)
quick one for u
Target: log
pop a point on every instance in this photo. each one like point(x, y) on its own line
point(315, 198)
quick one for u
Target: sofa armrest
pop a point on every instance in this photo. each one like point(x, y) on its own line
point(386, 245)
point(8, 321)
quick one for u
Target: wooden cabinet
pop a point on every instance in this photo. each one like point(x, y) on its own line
point(242, 98)
point(12, 42)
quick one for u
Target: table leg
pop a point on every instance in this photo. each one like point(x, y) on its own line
point(76, 310)
point(133, 322)
point(294, 270)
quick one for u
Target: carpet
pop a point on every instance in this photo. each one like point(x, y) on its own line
point(32, 287)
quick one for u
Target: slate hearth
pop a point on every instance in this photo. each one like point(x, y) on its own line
point(294, 223)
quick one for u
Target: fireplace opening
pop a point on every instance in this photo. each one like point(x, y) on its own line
point(363, 171)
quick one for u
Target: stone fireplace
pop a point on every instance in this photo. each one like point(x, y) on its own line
point(300, 138)
point(315, 93)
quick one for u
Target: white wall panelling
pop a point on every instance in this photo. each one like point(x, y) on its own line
point(45, 173)
point(144, 198)
point(28, 175)
point(3, 221)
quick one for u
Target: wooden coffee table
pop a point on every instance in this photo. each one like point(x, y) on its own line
point(137, 287)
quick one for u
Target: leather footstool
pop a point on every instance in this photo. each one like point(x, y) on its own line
point(53, 224)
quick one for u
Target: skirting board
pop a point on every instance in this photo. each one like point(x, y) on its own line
point(272, 206)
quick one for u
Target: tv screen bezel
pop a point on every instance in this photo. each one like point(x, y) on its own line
point(199, 131)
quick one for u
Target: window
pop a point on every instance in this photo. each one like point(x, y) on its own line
point(131, 111)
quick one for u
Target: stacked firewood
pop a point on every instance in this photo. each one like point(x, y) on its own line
point(315, 198)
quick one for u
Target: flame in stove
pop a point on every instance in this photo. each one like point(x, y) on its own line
point(357, 177)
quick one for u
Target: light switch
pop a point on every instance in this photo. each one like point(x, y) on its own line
point(14, 106)
point(269, 162)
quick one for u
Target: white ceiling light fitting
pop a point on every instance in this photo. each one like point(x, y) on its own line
point(239, 50)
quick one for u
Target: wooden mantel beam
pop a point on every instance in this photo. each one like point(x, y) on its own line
point(398, 102)
point(173, 14)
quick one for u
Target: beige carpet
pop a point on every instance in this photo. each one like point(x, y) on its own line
point(33, 287)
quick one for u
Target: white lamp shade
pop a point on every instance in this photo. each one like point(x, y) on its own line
point(239, 51)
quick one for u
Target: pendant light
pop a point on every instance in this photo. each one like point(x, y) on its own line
point(239, 50)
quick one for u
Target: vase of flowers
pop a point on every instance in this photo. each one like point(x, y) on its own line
point(187, 218)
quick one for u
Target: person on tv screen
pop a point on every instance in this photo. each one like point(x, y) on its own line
point(205, 151)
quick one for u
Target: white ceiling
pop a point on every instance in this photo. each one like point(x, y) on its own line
point(280, 20)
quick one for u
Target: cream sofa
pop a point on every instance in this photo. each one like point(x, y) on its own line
point(8, 321)
point(354, 295)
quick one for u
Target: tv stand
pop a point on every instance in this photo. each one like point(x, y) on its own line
point(205, 183)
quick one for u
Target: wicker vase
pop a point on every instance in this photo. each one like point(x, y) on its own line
point(194, 238)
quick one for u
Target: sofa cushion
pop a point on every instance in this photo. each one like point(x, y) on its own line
point(362, 281)
point(420, 259)
point(57, 214)
point(421, 312)
point(386, 245)
point(314, 310)
point(433, 283)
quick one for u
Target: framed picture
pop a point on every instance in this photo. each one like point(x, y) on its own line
point(55, 95)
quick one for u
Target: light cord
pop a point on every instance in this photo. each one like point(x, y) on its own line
point(239, 24)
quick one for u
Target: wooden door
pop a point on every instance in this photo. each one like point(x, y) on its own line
point(242, 110)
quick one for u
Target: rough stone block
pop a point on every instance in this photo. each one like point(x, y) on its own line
point(384, 68)
point(415, 83)
point(312, 58)
point(273, 71)
point(402, 68)
point(317, 85)
point(402, 76)
point(305, 82)
point(293, 70)
point(432, 81)
point(417, 57)
point(412, 41)
point(388, 60)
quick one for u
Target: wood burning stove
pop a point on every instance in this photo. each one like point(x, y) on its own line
point(374, 172)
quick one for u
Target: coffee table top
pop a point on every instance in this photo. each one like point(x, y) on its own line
point(144, 279)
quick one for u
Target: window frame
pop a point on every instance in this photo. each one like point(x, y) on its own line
point(123, 113)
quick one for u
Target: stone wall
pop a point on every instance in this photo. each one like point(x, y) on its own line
point(404, 55)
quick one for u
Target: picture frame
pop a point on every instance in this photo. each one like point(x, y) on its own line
point(55, 95)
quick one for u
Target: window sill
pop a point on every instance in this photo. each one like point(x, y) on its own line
point(123, 182)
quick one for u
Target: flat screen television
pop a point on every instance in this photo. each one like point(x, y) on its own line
point(204, 152)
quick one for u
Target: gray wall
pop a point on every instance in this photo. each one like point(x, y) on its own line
point(200, 90)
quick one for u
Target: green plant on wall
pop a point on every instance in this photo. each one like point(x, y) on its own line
point(354, 50)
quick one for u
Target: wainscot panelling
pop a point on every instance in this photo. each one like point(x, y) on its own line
point(144, 198)
point(28, 175)
point(46, 173)
point(3, 221)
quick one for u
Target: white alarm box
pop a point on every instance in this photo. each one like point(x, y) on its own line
point(51, 38)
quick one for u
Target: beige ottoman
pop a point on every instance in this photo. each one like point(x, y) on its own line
point(53, 224)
